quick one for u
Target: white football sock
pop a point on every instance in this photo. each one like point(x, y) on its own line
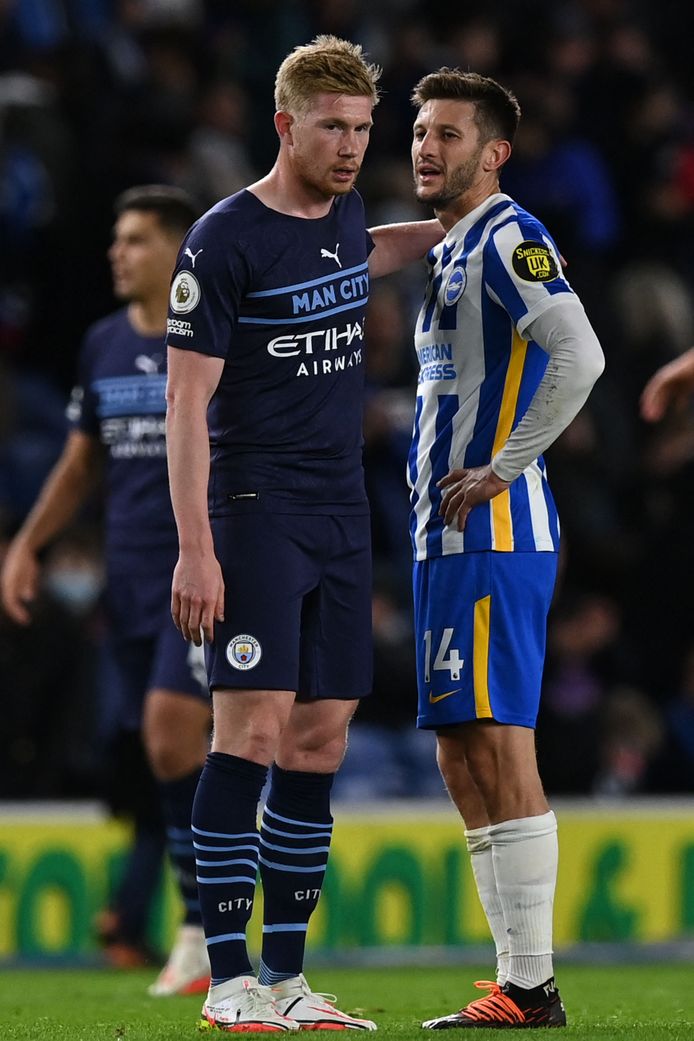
point(525, 857)
point(480, 849)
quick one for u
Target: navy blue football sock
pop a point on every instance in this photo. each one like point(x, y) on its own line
point(177, 799)
point(225, 836)
point(140, 880)
point(295, 835)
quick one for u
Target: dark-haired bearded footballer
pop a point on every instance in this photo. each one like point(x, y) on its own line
point(507, 358)
point(266, 375)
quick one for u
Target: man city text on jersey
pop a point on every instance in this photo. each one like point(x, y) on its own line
point(282, 300)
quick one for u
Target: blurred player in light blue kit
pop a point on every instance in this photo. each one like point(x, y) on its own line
point(117, 412)
point(507, 358)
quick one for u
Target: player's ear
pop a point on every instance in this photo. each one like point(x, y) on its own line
point(283, 125)
point(496, 153)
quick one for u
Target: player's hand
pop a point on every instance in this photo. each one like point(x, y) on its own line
point(665, 388)
point(197, 596)
point(19, 582)
point(670, 385)
point(465, 489)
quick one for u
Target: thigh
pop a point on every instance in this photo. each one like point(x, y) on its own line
point(336, 640)
point(480, 621)
point(270, 564)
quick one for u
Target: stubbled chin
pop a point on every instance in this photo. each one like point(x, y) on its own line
point(341, 187)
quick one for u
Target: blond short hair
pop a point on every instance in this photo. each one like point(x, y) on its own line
point(327, 65)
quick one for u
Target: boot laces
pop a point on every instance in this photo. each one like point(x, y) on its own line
point(493, 1006)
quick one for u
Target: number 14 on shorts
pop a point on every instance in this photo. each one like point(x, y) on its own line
point(444, 660)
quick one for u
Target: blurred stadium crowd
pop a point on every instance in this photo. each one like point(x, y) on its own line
point(99, 95)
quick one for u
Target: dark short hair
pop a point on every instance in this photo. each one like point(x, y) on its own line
point(497, 112)
point(175, 208)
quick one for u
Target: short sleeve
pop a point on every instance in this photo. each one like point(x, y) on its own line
point(522, 271)
point(207, 286)
point(81, 410)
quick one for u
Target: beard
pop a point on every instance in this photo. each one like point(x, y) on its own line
point(456, 184)
point(319, 182)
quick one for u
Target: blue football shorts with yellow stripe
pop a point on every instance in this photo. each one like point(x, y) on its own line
point(480, 628)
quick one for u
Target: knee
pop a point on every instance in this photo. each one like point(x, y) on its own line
point(331, 753)
point(315, 751)
point(164, 752)
point(255, 739)
point(480, 768)
point(173, 748)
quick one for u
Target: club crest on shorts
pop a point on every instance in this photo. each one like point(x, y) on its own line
point(244, 652)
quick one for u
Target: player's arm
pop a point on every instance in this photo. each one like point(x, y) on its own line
point(197, 591)
point(670, 385)
point(575, 363)
point(397, 245)
point(64, 491)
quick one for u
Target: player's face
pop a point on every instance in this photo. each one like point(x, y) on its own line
point(447, 153)
point(142, 256)
point(327, 143)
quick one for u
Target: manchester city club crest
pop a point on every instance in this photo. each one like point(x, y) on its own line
point(455, 286)
point(244, 652)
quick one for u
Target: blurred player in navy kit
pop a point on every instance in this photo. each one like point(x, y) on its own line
point(266, 368)
point(507, 358)
point(118, 430)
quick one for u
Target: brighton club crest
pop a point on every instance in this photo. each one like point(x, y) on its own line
point(244, 652)
point(455, 286)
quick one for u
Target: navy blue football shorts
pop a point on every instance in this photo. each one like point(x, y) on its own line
point(480, 630)
point(297, 613)
point(145, 651)
point(137, 665)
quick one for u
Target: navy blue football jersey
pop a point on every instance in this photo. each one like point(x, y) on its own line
point(282, 300)
point(120, 400)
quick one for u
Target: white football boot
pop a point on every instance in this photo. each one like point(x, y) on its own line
point(312, 1011)
point(241, 1005)
point(188, 969)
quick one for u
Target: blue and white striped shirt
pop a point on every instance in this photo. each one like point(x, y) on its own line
point(495, 272)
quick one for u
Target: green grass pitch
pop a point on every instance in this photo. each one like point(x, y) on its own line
point(604, 1003)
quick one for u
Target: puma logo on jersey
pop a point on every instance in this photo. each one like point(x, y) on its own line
point(325, 253)
point(148, 365)
point(192, 256)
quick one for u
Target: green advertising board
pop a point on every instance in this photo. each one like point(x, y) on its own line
point(398, 877)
